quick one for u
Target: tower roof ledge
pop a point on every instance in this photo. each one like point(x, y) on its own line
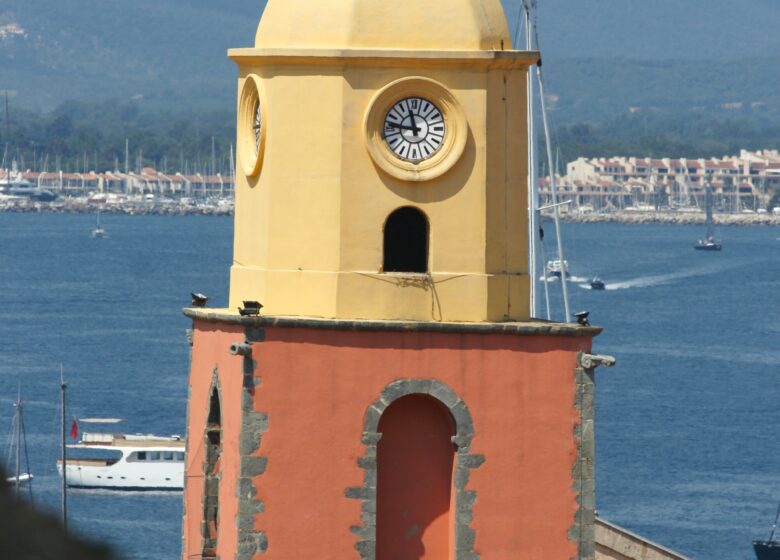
point(340, 56)
point(534, 327)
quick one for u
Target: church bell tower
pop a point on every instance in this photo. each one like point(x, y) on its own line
point(391, 397)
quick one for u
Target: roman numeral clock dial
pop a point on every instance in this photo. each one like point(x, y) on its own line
point(414, 129)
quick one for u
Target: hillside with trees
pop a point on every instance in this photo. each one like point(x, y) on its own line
point(623, 76)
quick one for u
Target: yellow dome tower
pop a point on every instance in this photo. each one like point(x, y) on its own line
point(383, 155)
point(392, 399)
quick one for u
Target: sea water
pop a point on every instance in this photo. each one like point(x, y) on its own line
point(686, 422)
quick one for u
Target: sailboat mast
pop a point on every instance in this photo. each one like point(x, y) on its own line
point(554, 197)
point(18, 436)
point(7, 118)
point(774, 525)
point(63, 388)
point(708, 206)
point(528, 6)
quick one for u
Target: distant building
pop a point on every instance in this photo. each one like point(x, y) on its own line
point(739, 182)
point(148, 182)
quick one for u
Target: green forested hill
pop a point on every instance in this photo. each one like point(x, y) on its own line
point(593, 88)
point(168, 51)
point(599, 55)
point(687, 77)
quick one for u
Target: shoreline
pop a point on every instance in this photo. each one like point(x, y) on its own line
point(225, 208)
point(670, 218)
point(126, 207)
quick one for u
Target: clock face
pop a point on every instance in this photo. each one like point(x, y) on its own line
point(252, 125)
point(257, 125)
point(414, 129)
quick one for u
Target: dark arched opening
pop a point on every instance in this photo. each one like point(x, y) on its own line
point(211, 471)
point(406, 241)
point(415, 460)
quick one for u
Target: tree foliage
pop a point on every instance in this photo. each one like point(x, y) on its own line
point(83, 136)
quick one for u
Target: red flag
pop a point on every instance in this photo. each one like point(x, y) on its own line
point(74, 430)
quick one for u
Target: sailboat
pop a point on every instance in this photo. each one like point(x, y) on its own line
point(19, 445)
point(709, 243)
point(98, 231)
point(768, 549)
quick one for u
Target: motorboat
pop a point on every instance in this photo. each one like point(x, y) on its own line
point(557, 268)
point(708, 244)
point(597, 284)
point(125, 462)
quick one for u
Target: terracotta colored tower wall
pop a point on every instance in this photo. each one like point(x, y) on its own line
point(515, 400)
point(210, 369)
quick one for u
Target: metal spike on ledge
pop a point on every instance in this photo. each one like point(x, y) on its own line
point(251, 308)
point(199, 299)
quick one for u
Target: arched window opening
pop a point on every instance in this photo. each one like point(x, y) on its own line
point(406, 241)
point(415, 461)
point(215, 414)
point(211, 469)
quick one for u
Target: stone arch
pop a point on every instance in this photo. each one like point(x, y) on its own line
point(465, 461)
point(212, 472)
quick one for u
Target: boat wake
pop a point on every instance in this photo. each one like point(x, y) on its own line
point(570, 279)
point(650, 281)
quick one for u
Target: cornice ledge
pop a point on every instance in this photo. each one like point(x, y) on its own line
point(510, 59)
point(535, 327)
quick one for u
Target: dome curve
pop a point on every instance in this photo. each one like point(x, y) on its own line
point(447, 25)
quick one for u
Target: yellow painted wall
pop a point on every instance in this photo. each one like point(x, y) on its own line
point(308, 238)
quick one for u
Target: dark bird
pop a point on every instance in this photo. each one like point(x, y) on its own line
point(582, 318)
point(199, 300)
point(250, 308)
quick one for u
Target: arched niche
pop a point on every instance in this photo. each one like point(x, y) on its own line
point(436, 400)
point(415, 460)
point(405, 245)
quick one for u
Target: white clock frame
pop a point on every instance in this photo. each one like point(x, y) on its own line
point(251, 141)
point(453, 140)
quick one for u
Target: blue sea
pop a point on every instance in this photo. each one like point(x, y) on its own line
point(687, 422)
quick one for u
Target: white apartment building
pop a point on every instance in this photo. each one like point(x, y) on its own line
point(739, 182)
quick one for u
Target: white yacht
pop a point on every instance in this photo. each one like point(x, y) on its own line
point(126, 462)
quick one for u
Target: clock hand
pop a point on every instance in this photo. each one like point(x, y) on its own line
point(414, 126)
point(405, 127)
